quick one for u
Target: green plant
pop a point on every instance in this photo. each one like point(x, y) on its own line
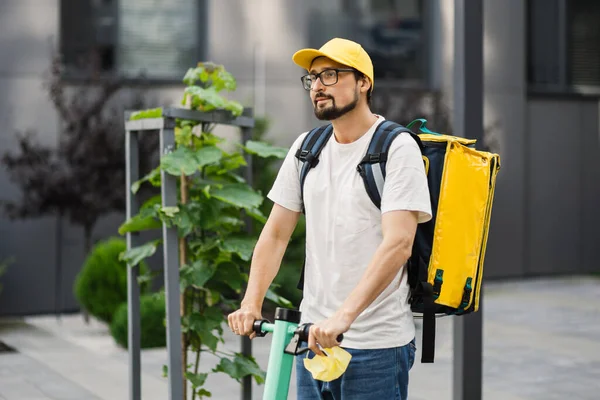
point(101, 285)
point(211, 217)
point(152, 320)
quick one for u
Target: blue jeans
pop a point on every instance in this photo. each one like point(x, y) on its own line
point(379, 374)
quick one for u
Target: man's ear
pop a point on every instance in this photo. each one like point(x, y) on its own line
point(365, 84)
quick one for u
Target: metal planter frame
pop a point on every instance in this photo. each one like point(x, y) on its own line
point(165, 127)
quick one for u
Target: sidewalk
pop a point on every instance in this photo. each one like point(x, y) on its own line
point(541, 341)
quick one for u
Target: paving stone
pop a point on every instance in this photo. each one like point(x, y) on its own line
point(23, 378)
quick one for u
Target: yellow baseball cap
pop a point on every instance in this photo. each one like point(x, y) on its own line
point(340, 50)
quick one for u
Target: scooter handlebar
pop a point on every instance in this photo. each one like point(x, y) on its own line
point(302, 330)
point(257, 327)
point(306, 328)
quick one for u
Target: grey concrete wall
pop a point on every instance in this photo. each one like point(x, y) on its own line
point(564, 186)
point(26, 29)
point(590, 145)
point(505, 113)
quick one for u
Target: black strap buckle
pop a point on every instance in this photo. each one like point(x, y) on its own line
point(374, 158)
point(302, 154)
point(307, 156)
point(437, 283)
point(466, 297)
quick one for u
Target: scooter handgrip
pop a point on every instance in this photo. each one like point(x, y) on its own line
point(257, 327)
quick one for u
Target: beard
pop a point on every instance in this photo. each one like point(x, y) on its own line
point(333, 112)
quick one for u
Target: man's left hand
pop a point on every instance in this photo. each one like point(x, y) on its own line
point(325, 333)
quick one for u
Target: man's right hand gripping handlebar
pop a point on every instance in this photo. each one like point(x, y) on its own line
point(241, 321)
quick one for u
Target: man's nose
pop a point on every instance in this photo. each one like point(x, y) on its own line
point(317, 85)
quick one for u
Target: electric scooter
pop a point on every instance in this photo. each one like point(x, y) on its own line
point(287, 336)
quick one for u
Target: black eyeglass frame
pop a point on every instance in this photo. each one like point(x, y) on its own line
point(318, 76)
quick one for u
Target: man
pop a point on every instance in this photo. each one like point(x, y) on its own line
point(354, 282)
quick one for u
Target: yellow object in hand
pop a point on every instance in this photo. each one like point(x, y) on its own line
point(330, 367)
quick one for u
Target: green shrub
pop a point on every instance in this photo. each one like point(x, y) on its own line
point(152, 316)
point(101, 285)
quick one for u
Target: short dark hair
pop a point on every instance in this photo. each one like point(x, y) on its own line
point(360, 75)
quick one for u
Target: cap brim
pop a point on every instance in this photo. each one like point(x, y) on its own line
point(305, 57)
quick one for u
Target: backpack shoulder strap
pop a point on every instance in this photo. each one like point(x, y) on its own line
point(372, 166)
point(308, 156)
point(310, 149)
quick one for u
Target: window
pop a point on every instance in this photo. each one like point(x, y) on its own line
point(128, 37)
point(563, 43)
point(391, 31)
point(583, 37)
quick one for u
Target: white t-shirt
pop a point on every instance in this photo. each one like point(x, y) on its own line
point(343, 231)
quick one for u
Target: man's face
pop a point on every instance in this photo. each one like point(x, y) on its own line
point(332, 102)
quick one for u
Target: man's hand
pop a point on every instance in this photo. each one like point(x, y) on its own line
point(325, 333)
point(241, 321)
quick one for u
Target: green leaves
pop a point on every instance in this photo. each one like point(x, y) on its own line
point(202, 393)
point(149, 113)
point(204, 84)
point(243, 246)
point(209, 73)
point(215, 267)
point(232, 162)
point(277, 299)
point(197, 380)
point(236, 108)
point(186, 161)
point(183, 135)
point(183, 220)
point(135, 255)
point(204, 214)
point(238, 195)
point(170, 211)
point(257, 215)
point(204, 325)
point(146, 219)
point(265, 150)
point(229, 274)
point(209, 100)
point(153, 177)
point(181, 161)
point(240, 367)
point(196, 274)
point(142, 222)
point(208, 155)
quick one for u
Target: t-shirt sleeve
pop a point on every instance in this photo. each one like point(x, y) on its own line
point(286, 188)
point(405, 186)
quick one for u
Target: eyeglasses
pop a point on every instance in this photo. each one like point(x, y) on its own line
point(328, 77)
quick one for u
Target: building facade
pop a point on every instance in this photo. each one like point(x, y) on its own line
point(541, 109)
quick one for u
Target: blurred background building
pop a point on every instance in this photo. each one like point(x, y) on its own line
point(541, 111)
